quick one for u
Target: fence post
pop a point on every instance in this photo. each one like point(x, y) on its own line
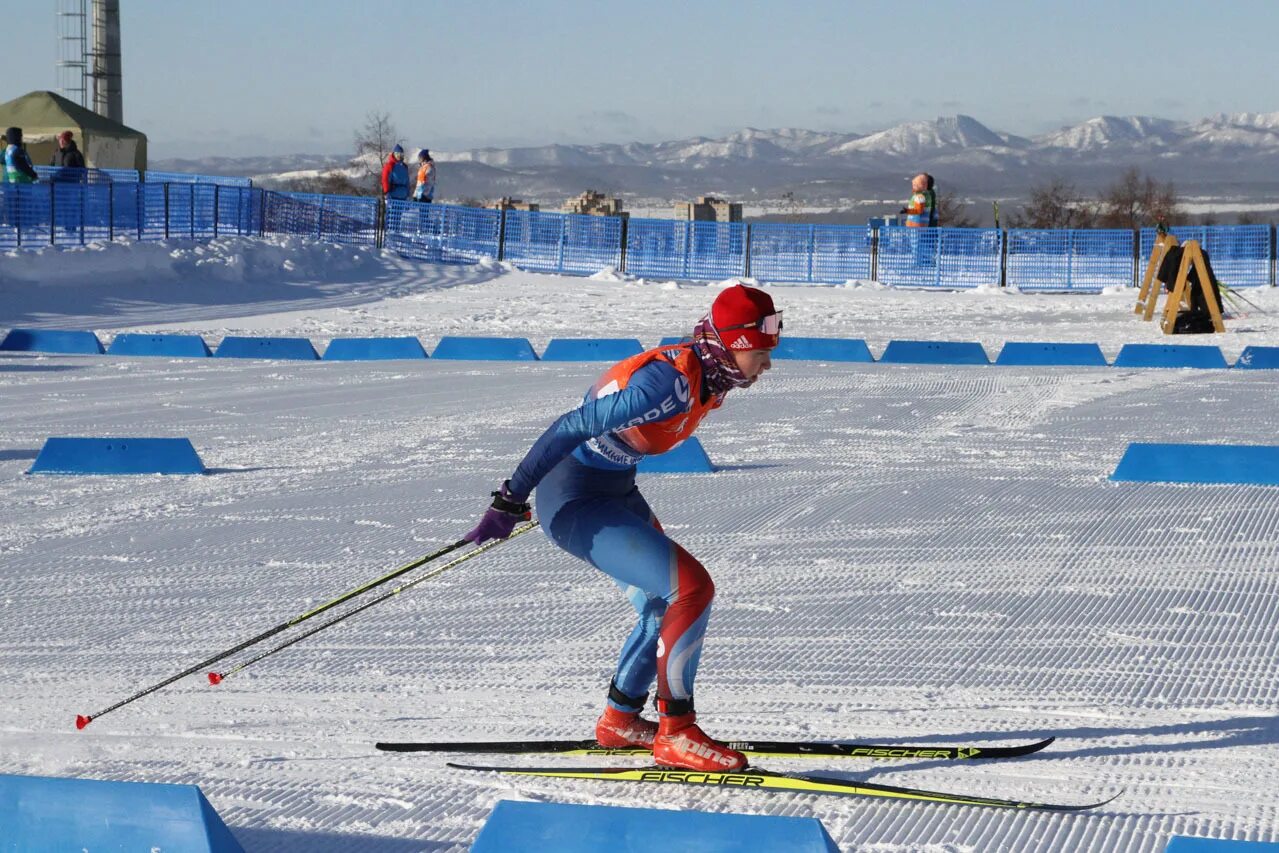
point(16, 198)
point(319, 220)
point(559, 259)
point(84, 192)
point(874, 251)
point(501, 235)
point(166, 210)
point(688, 248)
point(623, 234)
point(1274, 268)
point(191, 223)
point(746, 251)
point(111, 212)
point(53, 214)
point(812, 249)
point(217, 206)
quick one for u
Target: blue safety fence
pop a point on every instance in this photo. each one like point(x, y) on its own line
point(1240, 254)
point(940, 257)
point(691, 250)
point(334, 218)
point(190, 178)
point(1069, 260)
point(87, 176)
point(441, 233)
point(562, 242)
point(810, 253)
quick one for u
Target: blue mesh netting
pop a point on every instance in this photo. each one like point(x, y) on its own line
point(816, 253)
point(442, 233)
point(693, 250)
point(335, 218)
point(939, 257)
point(188, 178)
point(562, 242)
point(1086, 260)
point(1240, 254)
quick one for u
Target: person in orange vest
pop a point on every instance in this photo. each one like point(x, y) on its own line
point(921, 210)
point(583, 468)
point(425, 189)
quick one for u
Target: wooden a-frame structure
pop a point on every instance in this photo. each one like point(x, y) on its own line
point(1178, 289)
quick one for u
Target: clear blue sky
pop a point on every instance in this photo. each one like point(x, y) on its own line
point(283, 76)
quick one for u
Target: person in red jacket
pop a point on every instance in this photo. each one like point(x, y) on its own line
point(583, 468)
point(395, 175)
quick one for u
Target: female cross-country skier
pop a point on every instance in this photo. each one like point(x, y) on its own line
point(583, 468)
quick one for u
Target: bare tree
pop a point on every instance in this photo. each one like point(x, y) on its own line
point(373, 143)
point(1249, 217)
point(1137, 200)
point(1055, 204)
point(953, 213)
point(329, 183)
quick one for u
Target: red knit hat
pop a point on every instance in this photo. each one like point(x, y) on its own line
point(745, 318)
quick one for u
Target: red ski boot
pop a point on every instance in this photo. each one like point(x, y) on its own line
point(617, 729)
point(680, 743)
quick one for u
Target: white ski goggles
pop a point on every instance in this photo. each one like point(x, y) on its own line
point(770, 325)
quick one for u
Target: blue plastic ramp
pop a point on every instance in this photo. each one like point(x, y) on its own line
point(294, 349)
point(178, 346)
point(524, 827)
point(1169, 355)
point(1241, 464)
point(823, 349)
point(934, 352)
point(1259, 358)
point(117, 456)
point(484, 349)
point(43, 813)
point(591, 349)
point(1023, 354)
point(374, 349)
point(671, 341)
point(52, 340)
point(1186, 844)
point(686, 458)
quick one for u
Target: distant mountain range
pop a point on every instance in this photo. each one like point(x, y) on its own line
point(1234, 155)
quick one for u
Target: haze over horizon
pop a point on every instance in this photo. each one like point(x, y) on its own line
point(244, 79)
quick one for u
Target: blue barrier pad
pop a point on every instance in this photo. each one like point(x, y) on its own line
point(823, 349)
point(117, 456)
point(45, 813)
point(52, 340)
point(525, 827)
point(1169, 355)
point(374, 349)
point(182, 346)
point(1020, 353)
point(1245, 464)
point(934, 352)
point(591, 349)
point(1186, 844)
point(297, 349)
point(1258, 358)
point(666, 342)
point(485, 349)
point(686, 458)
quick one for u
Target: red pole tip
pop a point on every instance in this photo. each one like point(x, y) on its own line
point(215, 678)
point(81, 721)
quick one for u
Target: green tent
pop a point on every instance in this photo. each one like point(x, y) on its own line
point(105, 144)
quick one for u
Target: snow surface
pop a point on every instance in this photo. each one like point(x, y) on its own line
point(906, 553)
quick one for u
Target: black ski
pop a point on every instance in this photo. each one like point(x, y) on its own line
point(765, 780)
point(771, 748)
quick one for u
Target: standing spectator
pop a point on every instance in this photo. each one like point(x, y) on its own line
point(17, 165)
point(425, 189)
point(921, 210)
point(67, 156)
point(395, 175)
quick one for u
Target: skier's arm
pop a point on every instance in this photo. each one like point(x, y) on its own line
point(24, 164)
point(653, 393)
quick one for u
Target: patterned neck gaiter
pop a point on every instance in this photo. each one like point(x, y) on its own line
point(719, 372)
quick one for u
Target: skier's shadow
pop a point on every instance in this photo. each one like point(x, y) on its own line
point(1225, 733)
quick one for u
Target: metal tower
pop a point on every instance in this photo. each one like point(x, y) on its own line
point(108, 95)
point(73, 50)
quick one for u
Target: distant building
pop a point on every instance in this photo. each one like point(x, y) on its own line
point(709, 209)
point(592, 203)
point(508, 203)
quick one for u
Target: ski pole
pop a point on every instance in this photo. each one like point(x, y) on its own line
point(82, 720)
point(219, 677)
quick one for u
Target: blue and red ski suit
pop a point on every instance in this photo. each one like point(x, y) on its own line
point(583, 468)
